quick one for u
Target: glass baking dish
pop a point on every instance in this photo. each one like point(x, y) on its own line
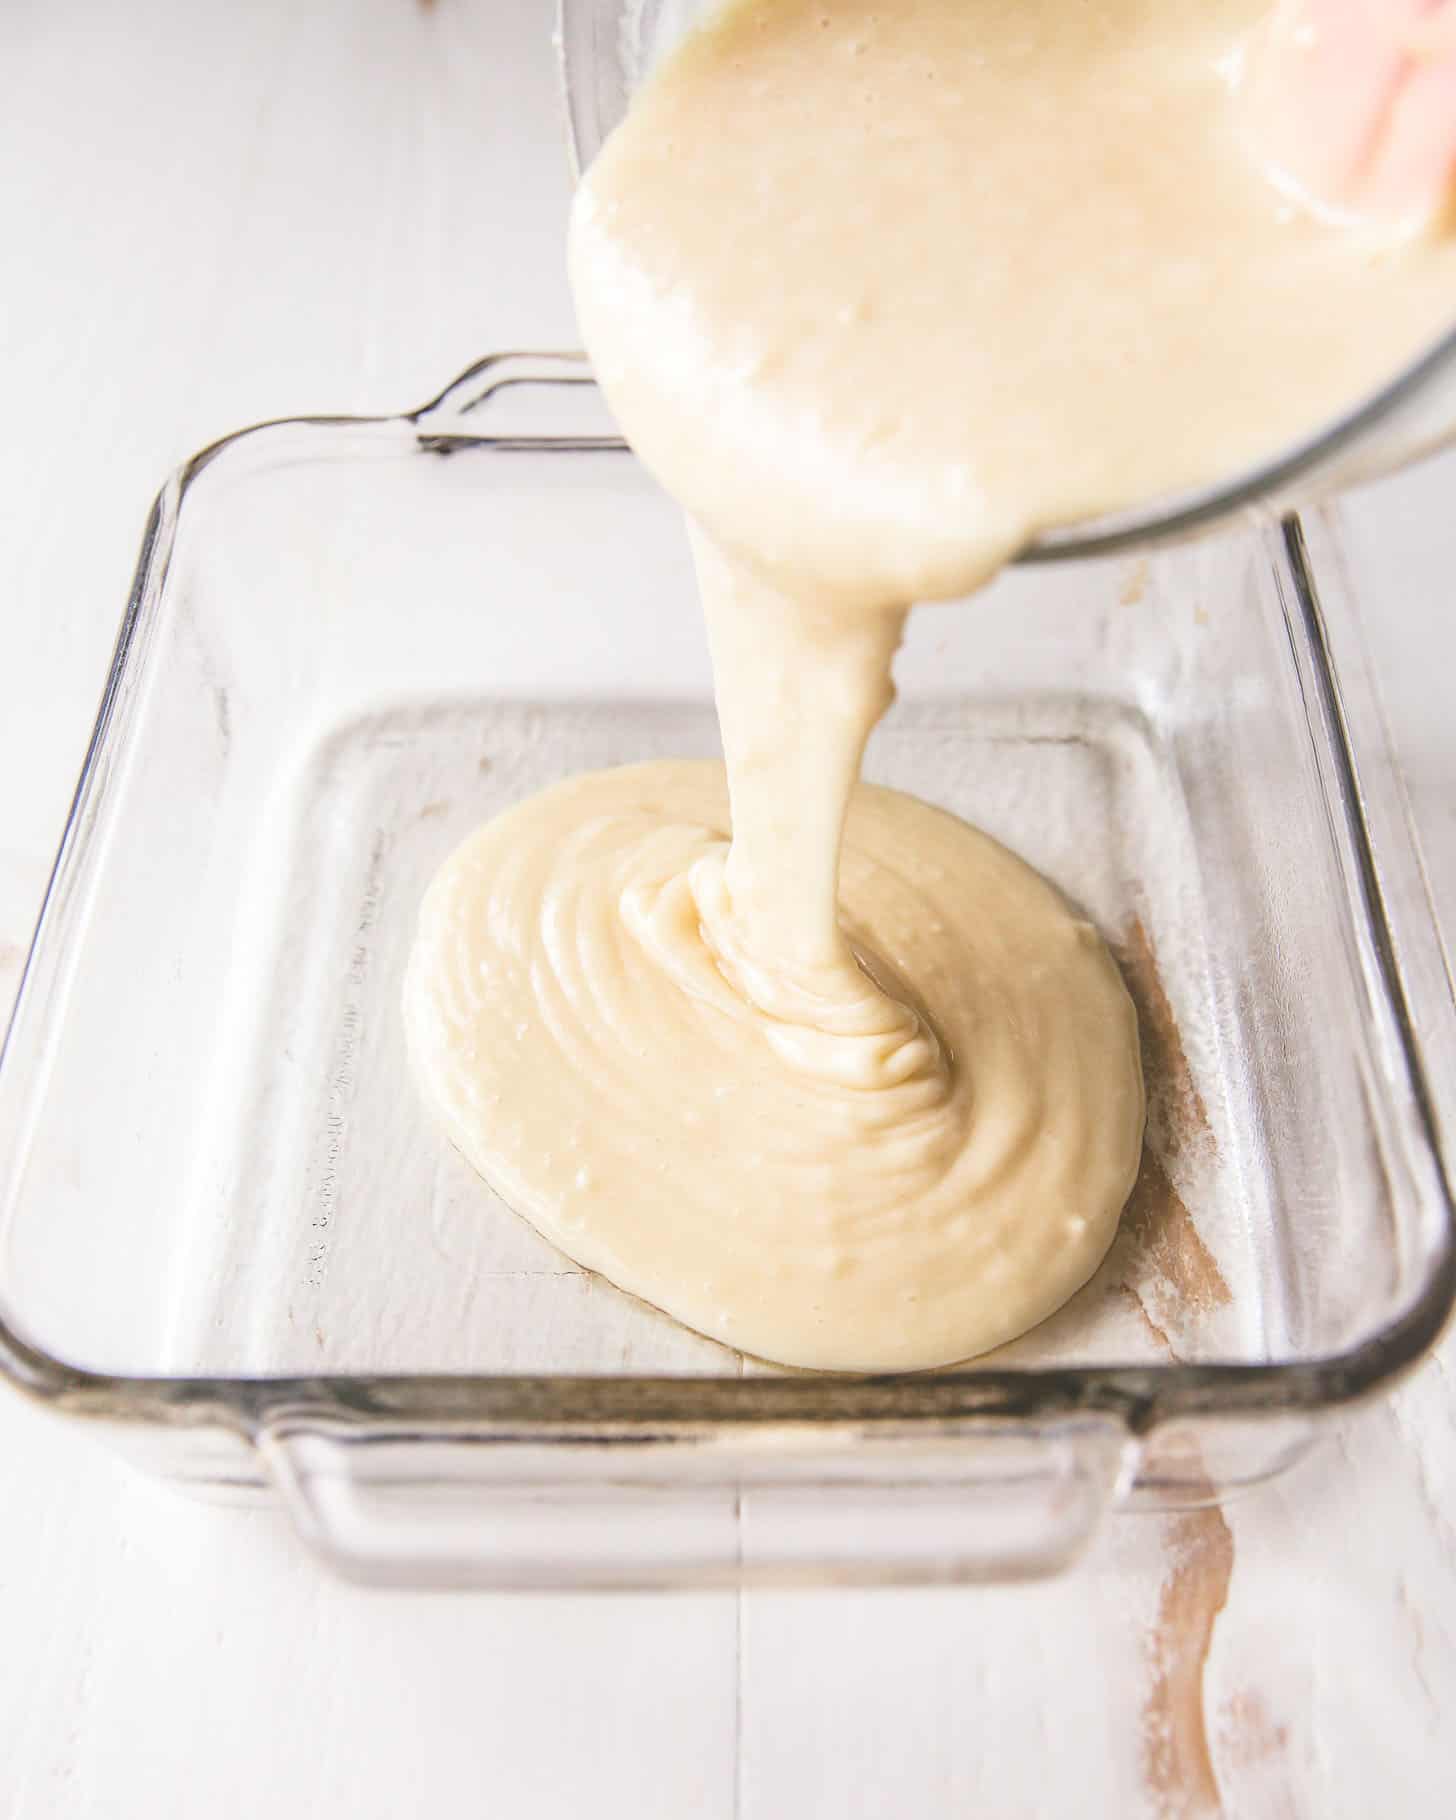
point(230, 1239)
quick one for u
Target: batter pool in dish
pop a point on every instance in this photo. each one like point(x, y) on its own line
point(861, 1192)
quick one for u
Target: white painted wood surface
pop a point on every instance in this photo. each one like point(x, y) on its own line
point(211, 214)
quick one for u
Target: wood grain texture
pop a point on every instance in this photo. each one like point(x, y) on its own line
point(210, 214)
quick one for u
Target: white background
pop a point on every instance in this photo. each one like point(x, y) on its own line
point(211, 214)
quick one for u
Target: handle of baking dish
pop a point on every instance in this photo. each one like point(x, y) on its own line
point(491, 1510)
point(520, 401)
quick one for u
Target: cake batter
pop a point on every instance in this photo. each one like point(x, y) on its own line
point(877, 291)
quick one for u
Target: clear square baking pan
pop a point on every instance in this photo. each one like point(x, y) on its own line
point(231, 1240)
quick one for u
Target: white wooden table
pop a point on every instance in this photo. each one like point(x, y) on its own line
point(211, 214)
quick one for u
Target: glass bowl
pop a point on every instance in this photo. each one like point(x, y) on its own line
point(605, 49)
point(231, 1240)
